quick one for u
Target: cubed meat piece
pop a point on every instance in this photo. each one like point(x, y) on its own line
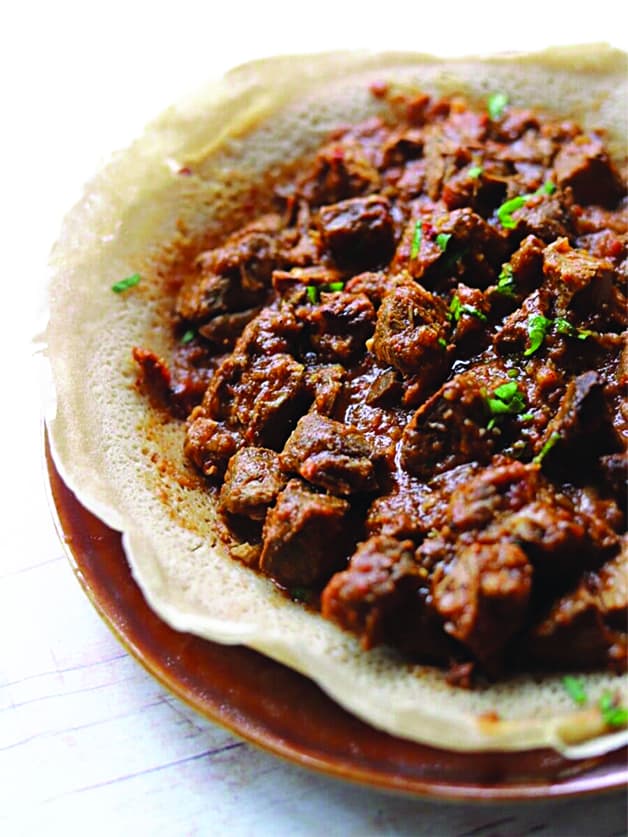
point(544, 217)
point(410, 332)
point(304, 537)
point(469, 310)
point(560, 541)
point(585, 627)
point(292, 285)
point(382, 578)
point(483, 596)
point(274, 330)
point(331, 455)
point(252, 481)
point(223, 330)
point(526, 328)
point(339, 326)
point(268, 398)
point(525, 269)
point(325, 383)
point(449, 429)
point(209, 444)
point(582, 429)
point(359, 231)
point(495, 490)
point(470, 187)
point(481, 247)
point(261, 396)
point(400, 514)
point(232, 277)
point(384, 389)
point(586, 168)
point(373, 284)
point(568, 272)
point(341, 170)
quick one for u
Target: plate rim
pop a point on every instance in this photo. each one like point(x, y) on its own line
point(581, 784)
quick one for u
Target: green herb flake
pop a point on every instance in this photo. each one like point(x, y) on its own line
point(442, 342)
point(312, 294)
point(335, 287)
point(507, 400)
point(564, 327)
point(548, 188)
point(442, 239)
point(189, 335)
point(496, 104)
point(549, 444)
point(537, 329)
point(526, 417)
point(575, 689)
point(416, 239)
point(504, 212)
point(613, 714)
point(506, 281)
point(457, 309)
point(513, 373)
point(474, 172)
point(125, 284)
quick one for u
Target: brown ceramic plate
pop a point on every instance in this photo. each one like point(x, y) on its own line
point(287, 714)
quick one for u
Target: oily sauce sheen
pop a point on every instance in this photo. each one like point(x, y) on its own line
point(406, 384)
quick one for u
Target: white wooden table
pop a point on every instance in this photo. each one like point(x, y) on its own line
point(89, 743)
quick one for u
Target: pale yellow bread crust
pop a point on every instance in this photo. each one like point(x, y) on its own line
point(125, 462)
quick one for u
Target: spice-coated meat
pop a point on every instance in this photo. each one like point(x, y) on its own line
point(421, 350)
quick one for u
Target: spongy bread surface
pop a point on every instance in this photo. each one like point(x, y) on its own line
point(125, 461)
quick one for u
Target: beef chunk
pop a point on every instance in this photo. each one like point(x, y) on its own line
point(514, 334)
point(359, 231)
point(232, 277)
point(401, 514)
point(559, 540)
point(373, 284)
point(585, 627)
point(471, 307)
point(585, 166)
point(252, 481)
point(483, 595)
point(411, 326)
point(449, 429)
point(341, 170)
point(385, 388)
point(224, 329)
point(583, 422)
point(568, 272)
point(274, 330)
point(330, 454)
point(544, 217)
point(382, 577)
point(209, 444)
point(496, 489)
point(325, 383)
point(339, 326)
point(304, 537)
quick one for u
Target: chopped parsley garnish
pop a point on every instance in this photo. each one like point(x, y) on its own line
point(334, 287)
point(504, 212)
point(546, 448)
point(506, 400)
point(442, 342)
point(312, 293)
point(513, 373)
point(537, 329)
point(442, 239)
point(457, 309)
point(548, 188)
point(474, 172)
point(496, 104)
point(613, 714)
point(189, 335)
point(575, 689)
point(124, 284)
point(416, 239)
point(506, 281)
point(563, 326)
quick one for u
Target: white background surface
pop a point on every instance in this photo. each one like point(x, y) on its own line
point(89, 744)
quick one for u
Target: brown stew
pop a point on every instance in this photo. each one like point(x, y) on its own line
point(407, 385)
